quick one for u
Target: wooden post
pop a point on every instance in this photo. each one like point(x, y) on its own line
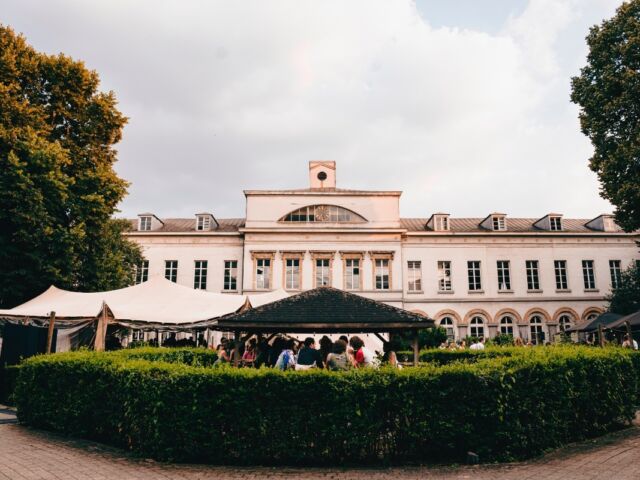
point(600, 335)
point(236, 349)
point(52, 321)
point(101, 330)
point(628, 325)
point(416, 349)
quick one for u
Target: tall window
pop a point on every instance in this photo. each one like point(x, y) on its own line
point(444, 276)
point(473, 269)
point(323, 272)
point(476, 327)
point(145, 224)
point(352, 274)
point(415, 275)
point(560, 267)
point(263, 273)
point(171, 270)
point(588, 275)
point(614, 269)
point(533, 277)
point(382, 273)
point(292, 274)
point(506, 325)
point(447, 324)
point(535, 327)
point(200, 276)
point(142, 271)
point(230, 281)
point(504, 277)
point(555, 224)
point(564, 322)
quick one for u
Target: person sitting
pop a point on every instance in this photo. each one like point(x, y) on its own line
point(478, 345)
point(392, 359)
point(249, 355)
point(338, 359)
point(629, 342)
point(223, 352)
point(362, 356)
point(326, 347)
point(308, 356)
point(286, 359)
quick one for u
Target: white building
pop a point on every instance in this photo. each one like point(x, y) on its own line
point(476, 276)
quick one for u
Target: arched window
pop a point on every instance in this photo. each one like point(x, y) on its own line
point(592, 316)
point(476, 327)
point(535, 327)
point(506, 325)
point(565, 322)
point(322, 214)
point(447, 324)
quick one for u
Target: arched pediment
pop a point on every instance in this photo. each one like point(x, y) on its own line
point(322, 214)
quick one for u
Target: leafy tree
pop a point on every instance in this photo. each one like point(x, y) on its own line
point(608, 92)
point(625, 299)
point(58, 189)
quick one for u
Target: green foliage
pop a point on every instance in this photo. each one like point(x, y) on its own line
point(8, 376)
point(58, 188)
point(625, 299)
point(503, 408)
point(502, 339)
point(608, 92)
point(427, 338)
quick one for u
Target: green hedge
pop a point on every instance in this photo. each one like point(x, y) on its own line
point(444, 357)
point(501, 408)
point(197, 357)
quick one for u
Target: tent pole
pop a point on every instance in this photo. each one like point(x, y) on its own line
point(52, 321)
point(101, 330)
point(236, 348)
point(416, 349)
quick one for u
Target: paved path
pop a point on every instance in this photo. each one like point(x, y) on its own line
point(28, 454)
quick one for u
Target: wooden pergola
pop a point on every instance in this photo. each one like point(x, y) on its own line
point(326, 310)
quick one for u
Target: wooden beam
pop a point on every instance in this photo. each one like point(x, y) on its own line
point(380, 337)
point(627, 324)
point(52, 321)
point(600, 336)
point(236, 349)
point(416, 349)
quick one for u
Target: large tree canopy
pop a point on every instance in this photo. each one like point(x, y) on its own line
point(608, 92)
point(58, 189)
point(625, 298)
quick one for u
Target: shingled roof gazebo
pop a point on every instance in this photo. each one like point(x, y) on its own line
point(326, 310)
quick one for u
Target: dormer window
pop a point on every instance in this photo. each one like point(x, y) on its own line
point(205, 222)
point(442, 223)
point(499, 223)
point(145, 223)
point(555, 224)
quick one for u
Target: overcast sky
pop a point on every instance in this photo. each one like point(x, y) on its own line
point(462, 104)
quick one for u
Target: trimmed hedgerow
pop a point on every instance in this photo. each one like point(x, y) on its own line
point(501, 408)
point(197, 357)
point(444, 357)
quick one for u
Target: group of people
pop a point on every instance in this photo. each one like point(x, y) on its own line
point(285, 353)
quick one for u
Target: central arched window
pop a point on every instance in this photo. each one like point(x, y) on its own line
point(476, 327)
point(506, 325)
point(564, 322)
point(323, 214)
point(535, 327)
point(447, 324)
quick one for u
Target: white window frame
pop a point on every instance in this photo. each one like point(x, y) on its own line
point(414, 276)
point(507, 325)
point(536, 329)
point(263, 278)
point(382, 273)
point(142, 272)
point(615, 271)
point(442, 223)
point(203, 223)
point(352, 280)
point(322, 272)
point(504, 275)
point(145, 223)
point(533, 274)
point(474, 275)
point(200, 274)
point(555, 223)
point(171, 270)
point(560, 271)
point(230, 278)
point(292, 277)
point(444, 276)
point(499, 223)
point(588, 275)
point(476, 327)
point(447, 322)
point(565, 321)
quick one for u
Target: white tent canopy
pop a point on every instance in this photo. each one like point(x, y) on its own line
point(157, 301)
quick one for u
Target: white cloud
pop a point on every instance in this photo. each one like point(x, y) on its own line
point(231, 95)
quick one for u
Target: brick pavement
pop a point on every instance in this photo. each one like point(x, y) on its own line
point(29, 454)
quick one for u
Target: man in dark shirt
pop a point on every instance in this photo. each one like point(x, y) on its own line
point(308, 355)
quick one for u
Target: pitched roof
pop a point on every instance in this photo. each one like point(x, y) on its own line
point(457, 225)
point(325, 309)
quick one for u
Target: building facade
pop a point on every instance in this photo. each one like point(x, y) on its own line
point(474, 276)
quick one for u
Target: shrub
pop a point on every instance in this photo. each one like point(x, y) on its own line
point(503, 408)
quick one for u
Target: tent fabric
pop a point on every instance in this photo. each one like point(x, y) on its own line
point(633, 319)
point(604, 319)
point(157, 301)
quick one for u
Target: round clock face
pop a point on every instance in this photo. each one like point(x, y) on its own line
point(322, 176)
